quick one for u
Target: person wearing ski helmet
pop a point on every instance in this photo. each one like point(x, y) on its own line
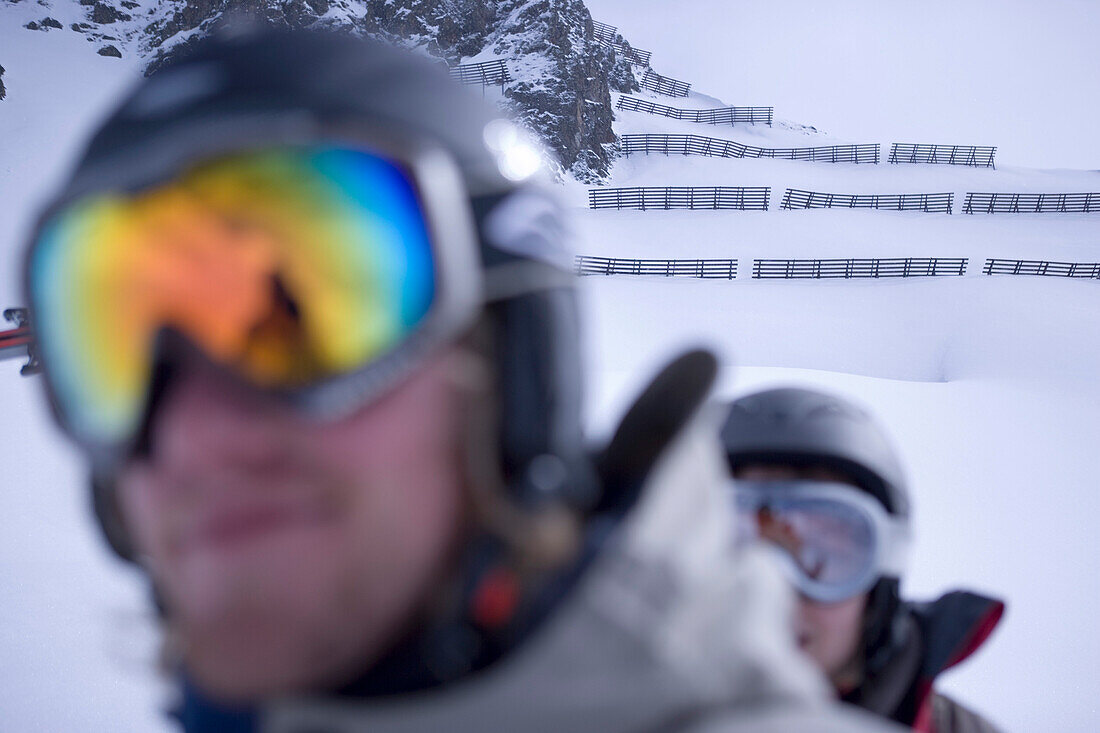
point(309, 318)
point(817, 477)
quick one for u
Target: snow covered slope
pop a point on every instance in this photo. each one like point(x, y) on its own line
point(1018, 74)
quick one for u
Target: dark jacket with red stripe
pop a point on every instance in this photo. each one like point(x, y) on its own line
point(934, 636)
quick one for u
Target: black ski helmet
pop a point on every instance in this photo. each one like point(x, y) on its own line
point(268, 86)
point(804, 426)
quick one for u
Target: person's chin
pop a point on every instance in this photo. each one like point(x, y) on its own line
point(249, 557)
point(262, 620)
point(245, 673)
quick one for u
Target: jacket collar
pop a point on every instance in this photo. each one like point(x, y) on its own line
point(953, 627)
point(936, 636)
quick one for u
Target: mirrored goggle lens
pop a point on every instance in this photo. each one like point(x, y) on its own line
point(289, 266)
point(830, 545)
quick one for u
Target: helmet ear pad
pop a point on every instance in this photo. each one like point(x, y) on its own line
point(539, 385)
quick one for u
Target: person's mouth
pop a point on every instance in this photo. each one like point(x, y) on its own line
point(232, 525)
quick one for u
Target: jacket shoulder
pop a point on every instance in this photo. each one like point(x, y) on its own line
point(950, 716)
point(777, 716)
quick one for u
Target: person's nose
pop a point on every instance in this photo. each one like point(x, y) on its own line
point(204, 420)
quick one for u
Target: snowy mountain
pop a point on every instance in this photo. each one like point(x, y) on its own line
point(987, 382)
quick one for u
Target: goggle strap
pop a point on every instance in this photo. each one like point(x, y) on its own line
point(893, 552)
point(523, 277)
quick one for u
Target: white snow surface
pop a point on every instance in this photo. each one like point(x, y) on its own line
point(988, 384)
point(1017, 74)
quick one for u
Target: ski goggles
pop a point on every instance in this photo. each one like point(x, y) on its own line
point(835, 540)
point(316, 272)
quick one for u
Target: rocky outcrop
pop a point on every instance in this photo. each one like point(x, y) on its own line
point(43, 25)
point(103, 14)
point(562, 78)
point(3, 91)
point(188, 21)
point(445, 28)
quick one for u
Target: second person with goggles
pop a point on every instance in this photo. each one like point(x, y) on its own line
point(817, 478)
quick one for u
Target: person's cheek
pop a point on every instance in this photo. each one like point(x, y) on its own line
point(140, 505)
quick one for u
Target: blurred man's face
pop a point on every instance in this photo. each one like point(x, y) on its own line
point(290, 554)
point(829, 633)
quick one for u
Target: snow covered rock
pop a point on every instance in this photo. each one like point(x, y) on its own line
point(562, 76)
point(562, 80)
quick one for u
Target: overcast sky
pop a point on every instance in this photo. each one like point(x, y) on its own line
point(1024, 76)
